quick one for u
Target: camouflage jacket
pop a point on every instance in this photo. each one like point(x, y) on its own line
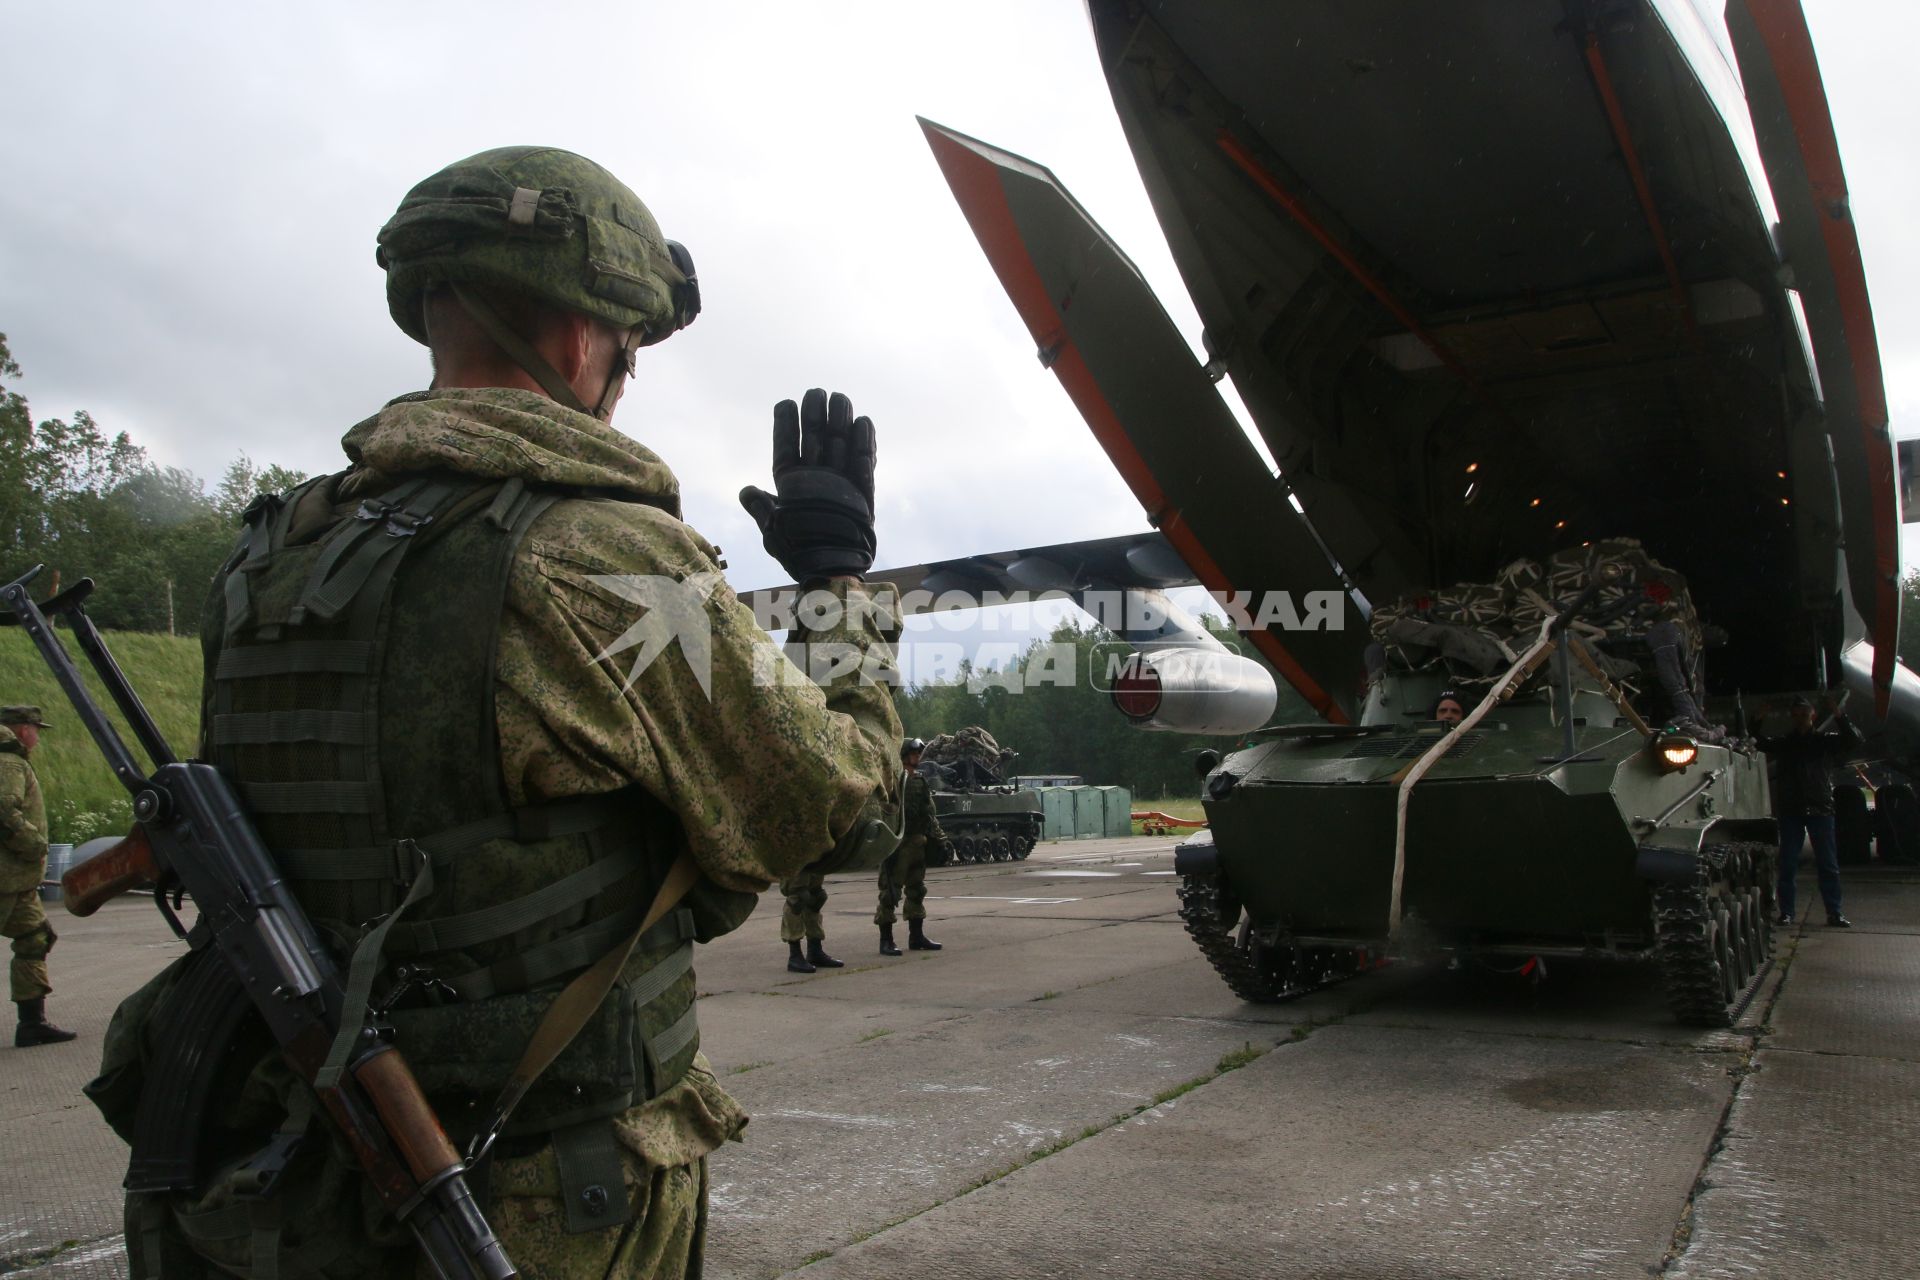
point(763, 768)
point(921, 820)
point(23, 819)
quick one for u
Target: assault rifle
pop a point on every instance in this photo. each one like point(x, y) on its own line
point(254, 951)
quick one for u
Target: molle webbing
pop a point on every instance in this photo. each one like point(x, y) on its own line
point(351, 700)
point(308, 797)
point(505, 919)
point(547, 822)
point(294, 659)
point(576, 950)
point(346, 727)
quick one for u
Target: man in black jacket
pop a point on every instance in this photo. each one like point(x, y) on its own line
point(1803, 801)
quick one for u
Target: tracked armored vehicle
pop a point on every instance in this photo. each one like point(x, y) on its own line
point(1584, 807)
point(987, 816)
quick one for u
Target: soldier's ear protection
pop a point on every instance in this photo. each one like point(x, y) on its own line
point(686, 296)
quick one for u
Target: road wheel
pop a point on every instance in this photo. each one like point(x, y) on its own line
point(1697, 924)
point(1720, 931)
point(1255, 970)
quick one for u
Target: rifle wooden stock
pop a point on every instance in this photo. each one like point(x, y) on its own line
point(105, 876)
point(409, 1118)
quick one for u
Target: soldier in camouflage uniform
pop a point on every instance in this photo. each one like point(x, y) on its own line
point(906, 867)
point(23, 864)
point(479, 692)
point(806, 898)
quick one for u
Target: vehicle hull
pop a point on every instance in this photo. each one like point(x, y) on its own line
point(1520, 851)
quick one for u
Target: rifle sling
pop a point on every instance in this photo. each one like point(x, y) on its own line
point(362, 970)
point(577, 1002)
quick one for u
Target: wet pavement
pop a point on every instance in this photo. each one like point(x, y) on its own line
point(1068, 1090)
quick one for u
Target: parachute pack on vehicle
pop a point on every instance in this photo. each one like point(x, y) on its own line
point(1639, 625)
point(988, 817)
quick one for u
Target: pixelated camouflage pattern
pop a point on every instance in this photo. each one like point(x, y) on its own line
point(346, 1235)
point(23, 819)
point(587, 244)
point(340, 1231)
point(683, 1125)
point(496, 433)
point(664, 1239)
point(764, 775)
point(919, 807)
point(923, 820)
point(806, 898)
point(905, 872)
point(435, 758)
point(24, 920)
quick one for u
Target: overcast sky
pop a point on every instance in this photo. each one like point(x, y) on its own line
point(187, 229)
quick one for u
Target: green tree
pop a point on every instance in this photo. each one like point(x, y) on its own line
point(87, 503)
point(245, 481)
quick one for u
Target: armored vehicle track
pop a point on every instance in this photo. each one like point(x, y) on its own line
point(1256, 970)
point(1713, 935)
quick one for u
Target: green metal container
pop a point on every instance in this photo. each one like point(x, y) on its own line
point(1056, 808)
point(1089, 813)
point(1117, 803)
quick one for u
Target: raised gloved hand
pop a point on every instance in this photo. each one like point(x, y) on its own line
point(818, 522)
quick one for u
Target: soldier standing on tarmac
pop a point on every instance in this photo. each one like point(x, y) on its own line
point(489, 702)
point(906, 867)
point(23, 864)
point(800, 922)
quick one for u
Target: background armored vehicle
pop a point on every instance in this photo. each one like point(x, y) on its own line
point(987, 816)
point(1557, 820)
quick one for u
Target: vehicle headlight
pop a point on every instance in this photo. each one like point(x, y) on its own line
point(1675, 751)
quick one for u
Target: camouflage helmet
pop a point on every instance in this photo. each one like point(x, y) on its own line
point(542, 222)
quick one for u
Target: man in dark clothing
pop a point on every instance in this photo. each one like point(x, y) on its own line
point(1803, 801)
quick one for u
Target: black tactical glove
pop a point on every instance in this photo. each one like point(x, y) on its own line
point(818, 522)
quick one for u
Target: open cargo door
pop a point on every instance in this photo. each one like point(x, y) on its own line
point(1788, 103)
point(1152, 407)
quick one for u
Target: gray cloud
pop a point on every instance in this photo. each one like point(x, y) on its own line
point(186, 238)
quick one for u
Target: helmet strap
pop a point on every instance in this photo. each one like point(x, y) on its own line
point(629, 348)
point(521, 352)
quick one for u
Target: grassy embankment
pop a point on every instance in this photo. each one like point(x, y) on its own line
point(83, 799)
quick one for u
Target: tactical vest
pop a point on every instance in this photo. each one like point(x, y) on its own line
point(350, 675)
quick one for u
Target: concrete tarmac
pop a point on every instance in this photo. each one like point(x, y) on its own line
point(1068, 1090)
